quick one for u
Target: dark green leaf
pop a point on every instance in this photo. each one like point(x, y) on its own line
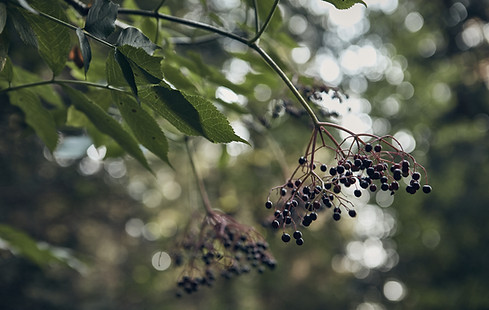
point(54, 39)
point(101, 18)
point(345, 4)
point(23, 28)
point(192, 115)
point(36, 116)
point(150, 66)
point(7, 73)
point(127, 72)
point(3, 16)
point(133, 37)
point(26, 6)
point(85, 49)
point(106, 124)
point(143, 125)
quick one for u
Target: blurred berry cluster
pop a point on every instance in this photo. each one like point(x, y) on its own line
point(221, 247)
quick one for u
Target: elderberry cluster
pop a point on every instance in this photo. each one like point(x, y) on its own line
point(310, 190)
point(222, 247)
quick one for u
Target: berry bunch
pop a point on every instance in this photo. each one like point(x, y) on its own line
point(222, 247)
point(377, 165)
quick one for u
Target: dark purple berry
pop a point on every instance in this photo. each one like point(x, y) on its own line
point(397, 174)
point(410, 189)
point(323, 168)
point(337, 189)
point(268, 204)
point(340, 169)
point(298, 182)
point(285, 237)
point(384, 187)
point(299, 241)
point(297, 234)
point(302, 160)
point(378, 148)
point(352, 213)
point(283, 191)
point(373, 187)
point(313, 216)
point(394, 186)
point(288, 220)
point(368, 148)
point(336, 216)
point(357, 193)
point(275, 224)
point(426, 189)
point(332, 171)
point(416, 176)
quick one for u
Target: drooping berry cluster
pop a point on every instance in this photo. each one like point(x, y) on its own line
point(222, 247)
point(377, 165)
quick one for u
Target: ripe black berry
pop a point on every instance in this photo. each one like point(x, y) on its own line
point(426, 189)
point(337, 189)
point(323, 168)
point(352, 213)
point(384, 187)
point(275, 224)
point(268, 204)
point(336, 216)
point(410, 189)
point(358, 192)
point(332, 171)
point(378, 148)
point(373, 187)
point(368, 148)
point(298, 182)
point(297, 234)
point(340, 169)
point(299, 241)
point(416, 176)
point(302, 160)
point(313, 216)
point(397, 174)
point(283, 191)
point(285, 237)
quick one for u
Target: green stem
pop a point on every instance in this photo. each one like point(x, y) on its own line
point(287, 81)
point(73, 27)
point(190, 23)
point(40, 83)
point(265, 25)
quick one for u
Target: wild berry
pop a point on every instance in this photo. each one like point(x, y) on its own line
point(302, 160)
point(378, 148)
point(268, 204)
point(275, 224)
point(298, 182)
point(368, 148)
point(384, 187)
point(357, 193)
point(323, 168)
point(313, 216)
point(340, 169)
point(410, 189)
point(352, 213)
point(285, 237)
point(397, 174)
point(332, 171)
point(426, 189)
point(297, 234)
point(394, 186)
point(337, 189)
point(299, 241)
point(336, 216)
point(373, 187)
point(283, 191)
point(277, 213)
point(416, 176)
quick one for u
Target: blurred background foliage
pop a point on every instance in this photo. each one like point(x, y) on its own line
point(79, 232)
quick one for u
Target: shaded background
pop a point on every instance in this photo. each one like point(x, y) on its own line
point(417, 70)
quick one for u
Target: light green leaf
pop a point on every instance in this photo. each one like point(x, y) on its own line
point(106, 124)
point(192, 115)
point(53, 38)
point(36, 116)
point(345, 4)
point(151, 65)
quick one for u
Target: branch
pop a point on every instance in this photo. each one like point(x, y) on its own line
point(265, 25)
point(40, 83)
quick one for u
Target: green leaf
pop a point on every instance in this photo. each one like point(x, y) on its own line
point(127, 72)
point(133, 37)
point(148, 67)
point(3, 16)
point(54, 39)
point(192, 115)
point(36, 116)
point(106, 124)
point(85, 49)
point(345, 4)
point(7, 73)
point(101, 18)
point(23, 28)
point(26, 6)
point(42, 254)
point(143, 125)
